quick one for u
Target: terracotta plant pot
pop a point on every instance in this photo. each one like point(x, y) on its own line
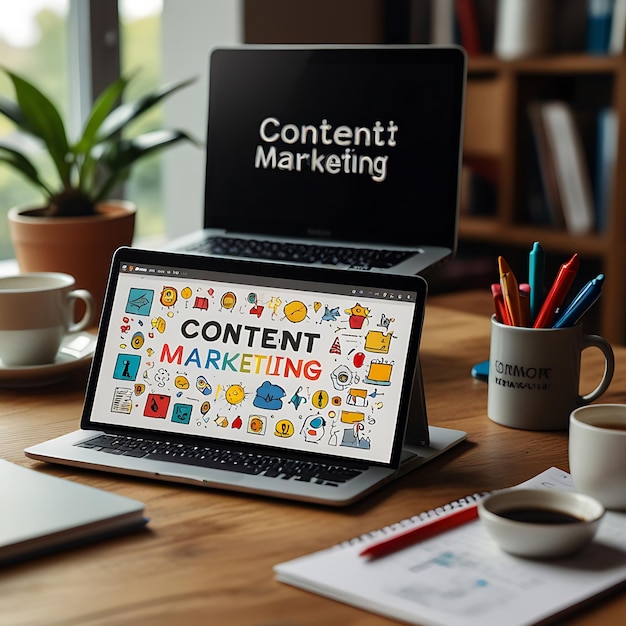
point(80, 246)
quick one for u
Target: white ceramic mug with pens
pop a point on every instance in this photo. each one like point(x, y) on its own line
point(536, 347)
point(534, 374)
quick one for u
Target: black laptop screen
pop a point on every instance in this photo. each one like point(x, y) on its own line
point(201, 349)
point(359, 144)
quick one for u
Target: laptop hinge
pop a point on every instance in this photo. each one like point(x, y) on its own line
point(415, 432)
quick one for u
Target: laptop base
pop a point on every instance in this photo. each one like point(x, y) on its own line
point(63, 450)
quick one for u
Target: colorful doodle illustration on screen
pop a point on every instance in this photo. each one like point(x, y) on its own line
point(169, 295)
point(274, 305)
point(269, 397)
point(235, 394)
point(156, 406)
point(182, 413)
point(257, 424)
point(379, 373)
point(357, 316)
point(377, 341)
point(295, 311)
point(122, 400)
point(257, 365)
point(228, 301)
point(139, 301)
point(330, 315)
point(201, 303)
point(319, 399)
point(313, 428)
point(297, 398)
point(352, 437)
point(284, 428)
point(343, 377)
point(127, 367)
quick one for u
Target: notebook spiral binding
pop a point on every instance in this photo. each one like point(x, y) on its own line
point(416, 520)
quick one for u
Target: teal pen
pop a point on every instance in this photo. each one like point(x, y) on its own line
point(536, 271)
point(583, 301)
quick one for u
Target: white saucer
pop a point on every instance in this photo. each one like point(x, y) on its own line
point(75, 351)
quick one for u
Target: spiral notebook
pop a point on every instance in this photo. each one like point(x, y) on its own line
point(461, 577)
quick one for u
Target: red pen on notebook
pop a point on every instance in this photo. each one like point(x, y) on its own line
point(423, 531)
point(557, 293)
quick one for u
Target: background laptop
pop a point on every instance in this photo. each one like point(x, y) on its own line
point(352, 150)
point(299, 379)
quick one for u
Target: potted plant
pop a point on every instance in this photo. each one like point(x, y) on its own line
point(78, 227)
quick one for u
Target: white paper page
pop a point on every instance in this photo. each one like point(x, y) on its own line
point(462, 577)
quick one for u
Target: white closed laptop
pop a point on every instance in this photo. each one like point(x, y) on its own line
point(295, 382)
point(42, 513)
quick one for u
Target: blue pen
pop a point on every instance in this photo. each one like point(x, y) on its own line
point(536, 270)
point(583, 301)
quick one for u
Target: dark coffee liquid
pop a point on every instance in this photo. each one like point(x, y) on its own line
point(539, 516)
point(609, 426)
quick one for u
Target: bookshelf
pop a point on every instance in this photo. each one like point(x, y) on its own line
point(497, 139)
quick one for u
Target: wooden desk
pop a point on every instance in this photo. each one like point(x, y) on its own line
point(207, 556)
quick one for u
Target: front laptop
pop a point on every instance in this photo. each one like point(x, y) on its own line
point(287, 381)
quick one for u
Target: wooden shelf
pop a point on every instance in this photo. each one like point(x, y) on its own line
point(497, 130)
point(492, 231)
point(559, 64)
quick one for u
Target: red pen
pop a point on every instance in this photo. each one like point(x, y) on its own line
point(557, 293)
point(422, 532)
point(502, 314)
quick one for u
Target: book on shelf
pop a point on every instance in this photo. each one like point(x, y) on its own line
point(478, 190)
point(599, 17)
point(461, 577)
point(442, 22)
point(618, 27)
point(469, 23)
point(543, 193)
point(564, 165)
point(42, 513)
point(467, 19)
point(607, 129)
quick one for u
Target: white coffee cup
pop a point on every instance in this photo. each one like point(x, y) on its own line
point(36, 312)
point(534, 375)
point(597, 452)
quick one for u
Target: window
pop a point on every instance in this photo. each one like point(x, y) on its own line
point(33, 42)
point(140, 47)
point(38, 38)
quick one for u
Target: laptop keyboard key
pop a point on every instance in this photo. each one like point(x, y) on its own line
point(356, 258)
point(228, 460)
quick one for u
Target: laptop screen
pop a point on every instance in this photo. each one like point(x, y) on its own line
point(312, 361)
point(359, 143)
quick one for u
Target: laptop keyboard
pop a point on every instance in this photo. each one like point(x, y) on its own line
point(357, 258)
point(219, 458)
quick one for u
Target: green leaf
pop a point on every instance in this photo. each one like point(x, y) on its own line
point(126, 113)
point(24, 166)
point(99, 112)
point(118, 156)
point(102, 156)
point(42, 119)
point(11, 110)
